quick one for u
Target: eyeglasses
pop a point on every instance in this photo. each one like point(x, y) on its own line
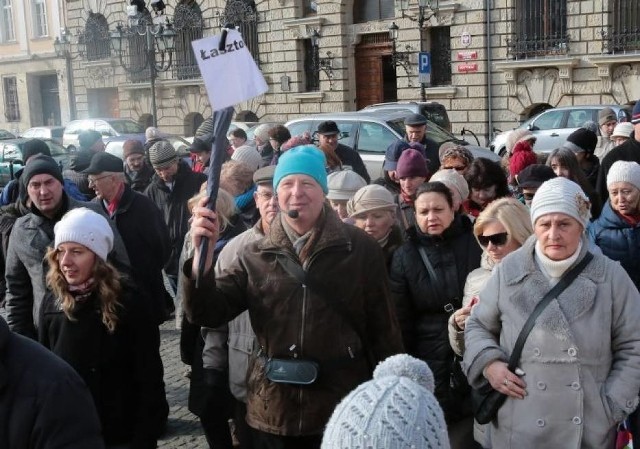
point(455, 167)
point(528, 196)
point(497, 239)
point(94, 180)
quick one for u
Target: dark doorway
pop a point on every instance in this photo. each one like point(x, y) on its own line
point(50, 100)
point(375, 76)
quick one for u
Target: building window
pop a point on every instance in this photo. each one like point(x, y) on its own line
point(624, 34)
point(40, 28)
point(243, 14)
point(540, 29)
point(440, 38)
point(96, 37)
point(11, 106)
point(367, 10)
point(309, 7)
point(312, 76)
point(189, 26)
point(7, 33)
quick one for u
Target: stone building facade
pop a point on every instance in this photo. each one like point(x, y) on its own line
point(32, 78)
point(494, 62)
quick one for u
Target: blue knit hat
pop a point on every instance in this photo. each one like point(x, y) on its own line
point(303, 160)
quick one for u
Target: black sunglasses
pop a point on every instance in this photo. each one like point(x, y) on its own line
point(497, 239)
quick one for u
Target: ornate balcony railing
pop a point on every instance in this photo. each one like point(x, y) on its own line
point(535, 47)
point(623, 35)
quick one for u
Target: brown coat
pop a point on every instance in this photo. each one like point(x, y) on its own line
point(350, 268)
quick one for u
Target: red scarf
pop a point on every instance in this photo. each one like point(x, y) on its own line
point(633, 220)
point(112, 206)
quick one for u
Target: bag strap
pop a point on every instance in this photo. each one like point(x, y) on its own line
point(557, 289)
point(298, 273)
point(432, 274)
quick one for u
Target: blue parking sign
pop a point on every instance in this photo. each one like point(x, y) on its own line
point(424, 67)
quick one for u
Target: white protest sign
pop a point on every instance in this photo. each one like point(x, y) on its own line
point(230, 75)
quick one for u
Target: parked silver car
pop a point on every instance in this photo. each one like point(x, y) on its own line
point(553, 126)
point(54, 133)
point(371, 133)
point(108, 127)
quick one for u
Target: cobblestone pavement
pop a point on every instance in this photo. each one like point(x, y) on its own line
point(183, 429)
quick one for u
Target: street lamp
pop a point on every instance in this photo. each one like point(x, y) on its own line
point(319, 64)
point(423, 6)
point(62, 47)
point(398, 58)
point(159, 39)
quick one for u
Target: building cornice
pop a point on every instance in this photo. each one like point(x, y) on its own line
point(606, 64)
point(511, 68)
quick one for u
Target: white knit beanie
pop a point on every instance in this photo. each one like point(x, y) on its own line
point(623, 171)
point(344, 184)
point(561, 195)
point(87, 228)
point(247, 155)
point(453, 180)
point(395, 410)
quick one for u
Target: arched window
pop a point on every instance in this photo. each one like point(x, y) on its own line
point(367, 10)
point(191, 123)
point(96, 37)
point(188, 24)
point(243, 14)
point(540, 29)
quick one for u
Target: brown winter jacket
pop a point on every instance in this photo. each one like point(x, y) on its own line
point(290, 320)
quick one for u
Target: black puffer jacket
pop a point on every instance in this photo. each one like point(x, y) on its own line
point(423, 307)
point(173, 204)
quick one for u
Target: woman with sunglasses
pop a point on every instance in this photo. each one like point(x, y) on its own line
point(578, 374)
point(500, 229)
point(427, 275)
point(456, 157)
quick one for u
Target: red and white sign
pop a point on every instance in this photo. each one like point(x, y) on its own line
point(466, 68)
point(467, 55)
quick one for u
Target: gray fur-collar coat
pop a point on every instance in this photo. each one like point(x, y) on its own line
point(582, 359)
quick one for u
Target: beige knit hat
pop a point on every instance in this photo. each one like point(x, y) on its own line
point(370, 198)
point(453, 180)
point(518, 135)
point(247, 155)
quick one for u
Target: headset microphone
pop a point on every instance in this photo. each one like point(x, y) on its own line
point(293, 214)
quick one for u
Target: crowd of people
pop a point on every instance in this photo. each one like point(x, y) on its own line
point(334, 310)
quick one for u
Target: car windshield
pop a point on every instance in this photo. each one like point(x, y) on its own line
point(56, 149)
point(126, 127)
point(435, 132)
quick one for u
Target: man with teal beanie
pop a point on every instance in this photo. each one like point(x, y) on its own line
point(318, 298)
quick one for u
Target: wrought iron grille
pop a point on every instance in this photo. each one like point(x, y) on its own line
point(138, 52)
point(243, 14)
point(11, 104)
point(312, 76)
point(440, 56)
point(624, 33)
point(189, 26)
point(540, 29)
point(96, 37)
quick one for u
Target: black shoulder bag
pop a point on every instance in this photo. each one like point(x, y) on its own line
point(486, 401)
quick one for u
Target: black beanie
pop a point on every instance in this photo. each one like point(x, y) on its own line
point(584, 139)
point(34, 146)
point(41, 164)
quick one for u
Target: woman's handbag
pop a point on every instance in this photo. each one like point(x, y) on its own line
point(486, 401)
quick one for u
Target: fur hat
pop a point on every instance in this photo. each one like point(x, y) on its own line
point(516, 136)
point(302, 160)
point(370, 198)
point(162, 154)
point(132, 146)
point(344, 184)
point(561, 195)
point(395, 410)
point(248, 155)
point(623, 171)
point(623, 129)
point(86, 227)
point(607, 115)
point(453, 180)
point(581, 140)
point(412, 163)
